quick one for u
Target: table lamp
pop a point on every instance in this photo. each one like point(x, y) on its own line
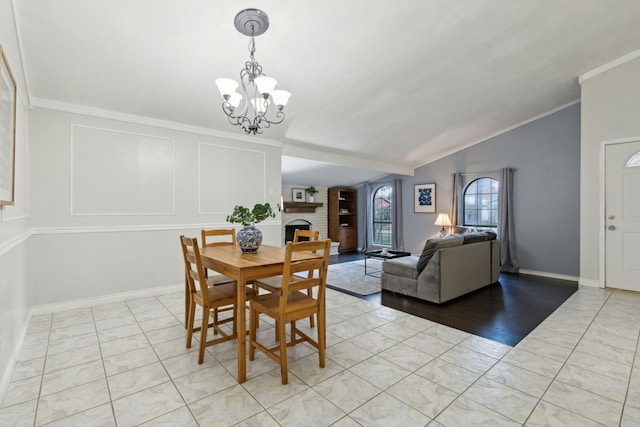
point(443, 221)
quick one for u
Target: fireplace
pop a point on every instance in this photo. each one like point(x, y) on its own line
point(290, 229)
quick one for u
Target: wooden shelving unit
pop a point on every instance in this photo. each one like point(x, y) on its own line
point(343, 218)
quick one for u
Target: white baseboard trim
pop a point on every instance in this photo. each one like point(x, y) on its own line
point(590, 282)
point(8, 371)
point(550, 275)
point(105, 299)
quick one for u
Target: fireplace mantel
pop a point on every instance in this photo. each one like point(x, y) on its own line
point(300, 207)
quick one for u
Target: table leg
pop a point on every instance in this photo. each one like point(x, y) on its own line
point(242, 329)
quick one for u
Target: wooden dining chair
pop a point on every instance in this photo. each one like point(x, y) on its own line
point(209, 296)
point(289, 304)
point(218, 237)
point(273, 284)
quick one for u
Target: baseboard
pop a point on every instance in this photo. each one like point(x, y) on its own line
point(105, 299)
point(549, 275)
point(8, 371)
point(590, 282)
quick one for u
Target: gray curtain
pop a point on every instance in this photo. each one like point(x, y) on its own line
point(455, 198)
point(396, 216)
point(506, 227)
point(367, 226)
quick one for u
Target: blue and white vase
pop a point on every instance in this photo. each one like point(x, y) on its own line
point(249, 239)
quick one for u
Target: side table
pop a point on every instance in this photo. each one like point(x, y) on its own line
point(380, 255)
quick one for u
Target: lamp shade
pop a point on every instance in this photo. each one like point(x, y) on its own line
point(265, 84)
point(443, 220)
point(280, 97)
point(234, 99)
point(226, 86)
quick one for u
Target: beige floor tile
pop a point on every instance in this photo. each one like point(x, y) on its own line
point(100, 416)
point(72, 401)
point(204, 382)
point(379, 372)
point(306, 408)
point(21, 391)
point(448, 375)
point(268, 389)
point(520, 379)
point(466, 412)
point(385, 410)
point(147, 404)
point(590, 405)
point(594, 382)
point(225, 408)
point(73, 376)
point(347, 354)
point(548, 415)
point(421, 394)
point(129, 360)
point(20, 415)
point(347, 390)
point(406, 357)
point(500, 398)
point(126, 383)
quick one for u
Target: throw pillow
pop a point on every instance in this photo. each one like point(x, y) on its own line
point(433, 245)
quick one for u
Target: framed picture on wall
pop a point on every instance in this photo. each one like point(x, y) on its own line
point(424, 198)
point(8, 92)
point(298, 194)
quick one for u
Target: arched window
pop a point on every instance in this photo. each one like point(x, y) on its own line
point(381, 215)
point(480, 208)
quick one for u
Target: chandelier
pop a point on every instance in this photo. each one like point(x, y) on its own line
point(259, 105)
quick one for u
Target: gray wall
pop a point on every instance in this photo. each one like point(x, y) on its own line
point(545, 154)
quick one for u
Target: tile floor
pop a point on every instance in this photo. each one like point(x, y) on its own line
point(126, 364)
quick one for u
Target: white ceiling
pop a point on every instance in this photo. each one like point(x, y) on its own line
point(376, 85)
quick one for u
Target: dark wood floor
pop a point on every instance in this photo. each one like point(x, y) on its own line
point(506, 311)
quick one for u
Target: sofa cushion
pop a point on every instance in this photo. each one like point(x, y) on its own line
point(433, 245)
point(459, 229)
point(404, 267)
point(479, 236)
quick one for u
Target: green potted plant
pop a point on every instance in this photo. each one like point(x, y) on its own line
point(311, 190)
point(250, 238)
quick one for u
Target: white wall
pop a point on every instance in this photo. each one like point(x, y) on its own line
point(15, 291)
point(101, 234)
point(610, 107)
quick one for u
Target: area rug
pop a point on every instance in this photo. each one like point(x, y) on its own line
point(350, 277)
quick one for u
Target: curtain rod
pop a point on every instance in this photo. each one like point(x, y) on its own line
point(479, 173)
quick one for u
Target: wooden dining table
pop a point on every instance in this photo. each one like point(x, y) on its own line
point(245, 268)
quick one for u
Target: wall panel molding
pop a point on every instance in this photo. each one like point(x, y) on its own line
point(113, 170)
point(139, 228)
point(9, 244)
point(222, 183)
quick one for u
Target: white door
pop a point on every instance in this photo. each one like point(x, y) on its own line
point(622, 210)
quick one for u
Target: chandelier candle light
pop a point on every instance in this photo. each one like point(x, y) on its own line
point(258, 93)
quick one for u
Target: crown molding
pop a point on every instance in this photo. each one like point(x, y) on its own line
point(147, 121)
point(609, 66)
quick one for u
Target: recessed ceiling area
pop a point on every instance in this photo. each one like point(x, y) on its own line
point(398, 83)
